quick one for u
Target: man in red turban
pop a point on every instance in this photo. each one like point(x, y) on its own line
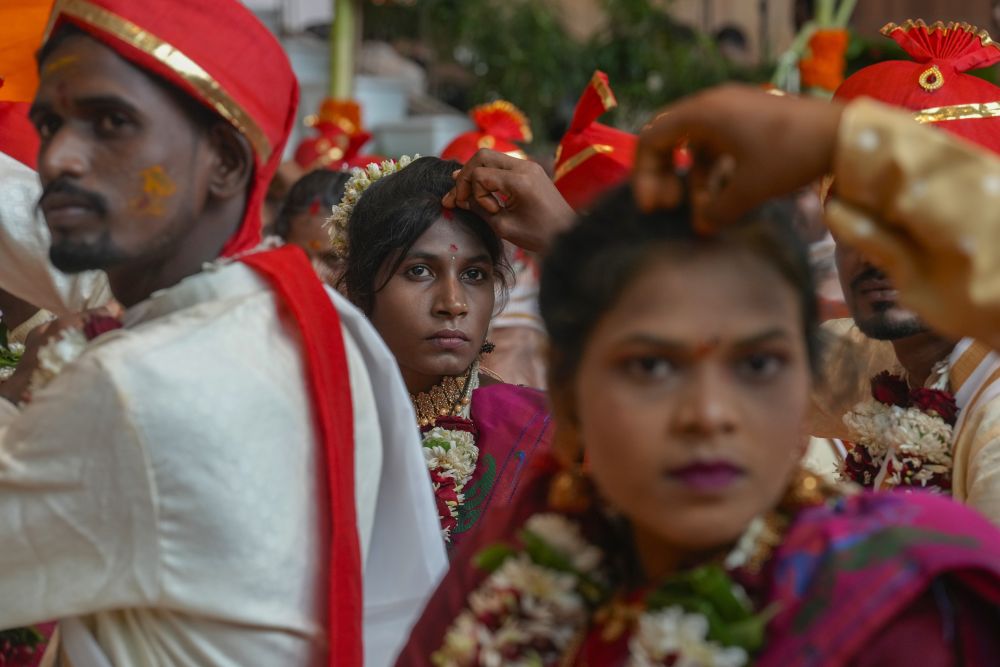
point(886, 337)
point(208, 484)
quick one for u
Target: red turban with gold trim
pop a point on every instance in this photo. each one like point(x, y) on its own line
point(221, 55)
point(935, 84)
point(592, 157)
point(339, 138)
point(498, 125)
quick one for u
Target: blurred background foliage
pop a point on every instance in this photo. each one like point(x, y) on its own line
point(519, 50)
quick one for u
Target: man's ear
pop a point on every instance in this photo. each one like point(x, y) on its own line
point(233, 164)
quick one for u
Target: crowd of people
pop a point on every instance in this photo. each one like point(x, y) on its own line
point(225, 447)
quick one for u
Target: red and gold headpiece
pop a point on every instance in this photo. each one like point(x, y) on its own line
point(935, 84)
point(592, 157)
point(340, 138)
point(498, 125)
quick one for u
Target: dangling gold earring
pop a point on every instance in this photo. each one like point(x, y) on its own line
point(570, 490)
point(806, 489)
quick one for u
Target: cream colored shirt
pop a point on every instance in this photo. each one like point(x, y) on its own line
point(166, 488)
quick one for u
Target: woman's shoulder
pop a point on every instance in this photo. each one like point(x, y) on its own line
point(849, 567)
point(500, 396)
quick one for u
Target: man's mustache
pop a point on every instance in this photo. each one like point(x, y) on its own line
point(63, 186)
point(871, 273)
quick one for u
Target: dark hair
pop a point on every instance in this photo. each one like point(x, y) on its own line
point(591, 264)
point(322, 186)
point(392, 214)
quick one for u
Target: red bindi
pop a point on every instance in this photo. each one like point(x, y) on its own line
point(453, 248)
point(448, 214)
point(705, 348)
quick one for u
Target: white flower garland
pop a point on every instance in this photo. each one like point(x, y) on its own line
point(894, 435)
point(451, 455)
point(527, 615)
point(361, 180)
point(56, 354)
point(675, 637)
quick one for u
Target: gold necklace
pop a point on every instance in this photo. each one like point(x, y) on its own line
point(446, 399)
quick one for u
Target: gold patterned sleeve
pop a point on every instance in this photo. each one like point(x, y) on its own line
point(925, 206)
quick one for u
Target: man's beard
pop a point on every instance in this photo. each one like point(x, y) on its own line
point(74, 257)
point(883, 326)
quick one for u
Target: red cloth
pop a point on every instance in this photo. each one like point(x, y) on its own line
point(954, 49)
point(592, 158)
point(339, 138)
point(498, 125)
point(18, 138)
point(220, 54)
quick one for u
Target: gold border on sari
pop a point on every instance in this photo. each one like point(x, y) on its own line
point(581, 157)
point(170, 56)
point(958, 112)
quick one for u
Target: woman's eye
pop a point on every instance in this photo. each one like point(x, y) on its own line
point(475, 275)
point(649, 369)
point(761, 366)
point(419, 271)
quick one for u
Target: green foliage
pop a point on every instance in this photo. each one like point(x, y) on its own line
point(519, 50)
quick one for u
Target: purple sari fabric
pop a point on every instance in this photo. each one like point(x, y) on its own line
point(514, 426)
point(845, 573)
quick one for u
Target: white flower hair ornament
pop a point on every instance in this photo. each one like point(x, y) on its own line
point(361, 180)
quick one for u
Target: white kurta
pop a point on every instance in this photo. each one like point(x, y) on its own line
point(166, 488)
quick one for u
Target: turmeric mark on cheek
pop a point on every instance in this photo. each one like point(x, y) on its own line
point(157, 186)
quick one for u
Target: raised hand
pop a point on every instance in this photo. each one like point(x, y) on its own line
point(747, 145)
point(514, 196)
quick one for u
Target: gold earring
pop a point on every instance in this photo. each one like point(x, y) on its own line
point(570, 490)
point(805, 490)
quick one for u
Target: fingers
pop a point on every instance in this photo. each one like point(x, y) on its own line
point(466, 189)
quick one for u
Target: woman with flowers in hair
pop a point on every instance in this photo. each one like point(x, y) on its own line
point(430, 279)
point(674, 525)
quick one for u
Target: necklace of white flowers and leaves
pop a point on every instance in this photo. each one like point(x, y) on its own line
point(543, 595)
point(449, 442)
point(902, 437)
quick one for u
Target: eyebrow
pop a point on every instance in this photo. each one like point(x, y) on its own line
point(679, 347)
point(89, 102)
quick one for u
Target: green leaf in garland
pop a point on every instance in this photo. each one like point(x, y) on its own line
point(491, 558)
point(543, 554)
point(714, 584)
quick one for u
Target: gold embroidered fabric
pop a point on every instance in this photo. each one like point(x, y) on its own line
point(581, 157)
point(958, 112)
